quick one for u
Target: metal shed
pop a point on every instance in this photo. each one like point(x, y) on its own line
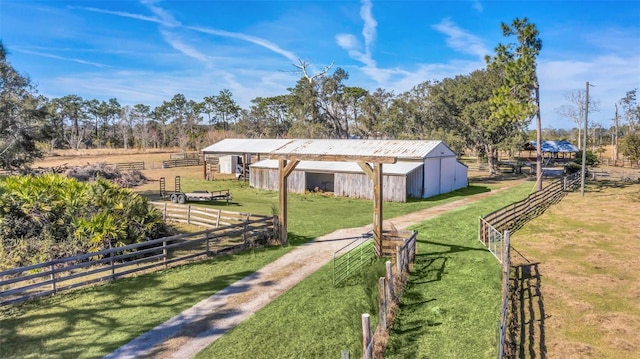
point(344, 179)
point(424, 168)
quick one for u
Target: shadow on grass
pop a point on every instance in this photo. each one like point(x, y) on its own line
point(463, 192)
point(111, 308)
point(526, 327)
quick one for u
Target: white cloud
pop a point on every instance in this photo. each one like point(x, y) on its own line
point(129, 15)
point(187, 50)
point(347, 41)
point(611, 75)
point(369, 29)
point(248, 38)
point(51, 56)
point(460, 40)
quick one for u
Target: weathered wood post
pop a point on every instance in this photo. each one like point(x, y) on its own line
point(164, 253)
point(366, 336)
point(382, 301)
point(53, 278)
point(389, 276)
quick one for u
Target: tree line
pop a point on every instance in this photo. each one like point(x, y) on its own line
point(485, 111)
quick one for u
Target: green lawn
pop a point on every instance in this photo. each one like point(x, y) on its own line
point(451, 305)
point(92, 322)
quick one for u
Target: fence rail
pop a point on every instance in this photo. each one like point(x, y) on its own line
point(495, 231)
point(129, 166)
point(621, 163)
point(181, 163)
point(203, 216)
point(515, 215)
point(62, 274)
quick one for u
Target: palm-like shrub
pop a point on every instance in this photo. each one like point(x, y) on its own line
point(51, 216)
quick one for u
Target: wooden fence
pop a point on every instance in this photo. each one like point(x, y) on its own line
point(496, 228)
point(181, 163)
point(203, 216)
point(184, 155)
point(129, 166)
point(390, 289)
point(515, 215)
point(62, 274)
point(621, 163)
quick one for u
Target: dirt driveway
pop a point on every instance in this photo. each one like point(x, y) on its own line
point(194, 329)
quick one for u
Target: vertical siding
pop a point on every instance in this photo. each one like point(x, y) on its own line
point(356, 185)
point(461, 179)
point(431, 177)
point(447, 174)
point(265, 178)
point(415, 182)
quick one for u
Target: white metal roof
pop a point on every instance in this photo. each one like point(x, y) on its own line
point(402, 149)
point(398, 168)
point(244, 145)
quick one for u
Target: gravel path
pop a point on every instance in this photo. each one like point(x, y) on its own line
point(191, 331)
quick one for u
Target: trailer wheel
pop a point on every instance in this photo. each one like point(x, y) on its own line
point(182, 199)
point(174, 198)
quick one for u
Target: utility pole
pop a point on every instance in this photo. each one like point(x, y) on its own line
point(615, 144)
point(584, 143)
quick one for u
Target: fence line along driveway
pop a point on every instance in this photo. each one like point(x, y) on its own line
point(195, 328)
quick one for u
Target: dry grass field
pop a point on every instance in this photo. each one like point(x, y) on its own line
point(577, 292)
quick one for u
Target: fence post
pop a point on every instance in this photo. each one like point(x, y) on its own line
point(113, 268)
point(382, 301)
point(366, 335)
point(506, 262)
point(188, 214)
point(399, 259)
point(164, 212)
point(164, 253)
point(53, 279)
point(207, 244)
point(389, 276)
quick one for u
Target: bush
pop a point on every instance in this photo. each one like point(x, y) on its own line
point(591, 160)
point(51, 216)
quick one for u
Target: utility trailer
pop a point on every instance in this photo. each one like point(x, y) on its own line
point(177, 196)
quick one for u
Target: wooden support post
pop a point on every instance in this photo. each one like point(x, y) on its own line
point(366, 336)
point(382, 299)
point(282, 188)
point(377, 208)
point(389, 275)
point(375, 174)
point(284, 170)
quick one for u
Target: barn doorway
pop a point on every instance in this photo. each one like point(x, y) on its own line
point(319, 182)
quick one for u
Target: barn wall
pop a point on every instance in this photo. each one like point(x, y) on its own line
point(461, 179)
point(431, 177)
point(228, 164)
point(359, 185)
point(267, 178)
point(414, 183)
point(447, 174)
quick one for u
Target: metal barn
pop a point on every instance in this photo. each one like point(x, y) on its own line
point(423, 169)
point(344, 179)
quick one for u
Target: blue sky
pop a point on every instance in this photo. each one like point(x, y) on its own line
point(147, 51)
